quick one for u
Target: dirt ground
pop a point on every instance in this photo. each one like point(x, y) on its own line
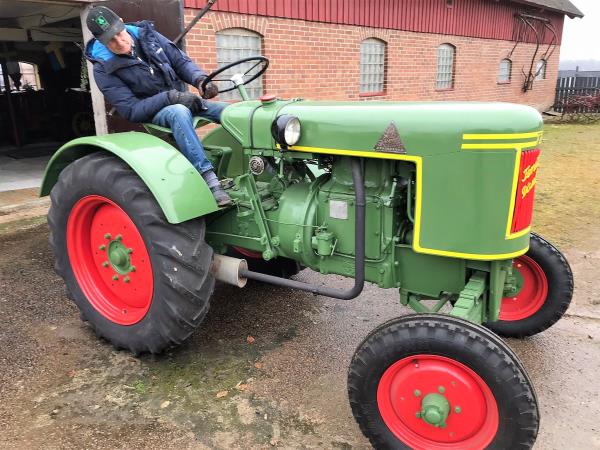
point(60, 387)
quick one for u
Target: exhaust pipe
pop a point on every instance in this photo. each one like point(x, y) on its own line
point(228, 269)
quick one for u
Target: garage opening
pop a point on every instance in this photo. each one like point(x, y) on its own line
point(45, 96)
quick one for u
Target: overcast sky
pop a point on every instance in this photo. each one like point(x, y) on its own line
point(581, 37)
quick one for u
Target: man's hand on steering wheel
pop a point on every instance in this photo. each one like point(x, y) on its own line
point(209, 91)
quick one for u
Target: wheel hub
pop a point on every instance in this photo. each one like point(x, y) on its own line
point(435, 409)
point(514, 282)
point(526, 293)
point(118, 257)
point(432, 401)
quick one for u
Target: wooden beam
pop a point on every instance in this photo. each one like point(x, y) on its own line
point(56, 34)
point(11, 106)
point(13, 34)
point(98, 103)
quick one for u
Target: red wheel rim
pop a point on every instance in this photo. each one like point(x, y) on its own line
point(109, 260)
point(472, 421)
point(532, 295)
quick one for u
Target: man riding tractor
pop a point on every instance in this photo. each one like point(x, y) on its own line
point(143, 75)
point(433, 199)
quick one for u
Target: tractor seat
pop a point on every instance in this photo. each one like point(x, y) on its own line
point(157, 130)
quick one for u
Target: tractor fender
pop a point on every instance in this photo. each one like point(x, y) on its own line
point(176, 185)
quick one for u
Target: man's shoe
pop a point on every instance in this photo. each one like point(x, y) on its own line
point(222, 198)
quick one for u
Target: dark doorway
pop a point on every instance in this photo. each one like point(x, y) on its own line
point(44, 93)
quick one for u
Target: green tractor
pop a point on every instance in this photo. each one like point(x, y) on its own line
point(432, 199)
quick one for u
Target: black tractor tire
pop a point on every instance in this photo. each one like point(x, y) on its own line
point(179, 265)
point(281, 267)
point(556, 274)
point(406, 349)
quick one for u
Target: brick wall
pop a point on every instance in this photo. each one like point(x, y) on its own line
point(316, 60)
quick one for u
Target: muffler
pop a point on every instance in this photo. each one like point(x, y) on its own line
point(228, 269)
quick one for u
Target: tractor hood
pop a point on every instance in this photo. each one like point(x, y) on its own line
point(423, 128)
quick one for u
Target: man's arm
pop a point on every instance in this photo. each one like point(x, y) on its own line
point(184, 67)
point(126, 103)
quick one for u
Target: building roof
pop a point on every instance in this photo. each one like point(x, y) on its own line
point(563, 6)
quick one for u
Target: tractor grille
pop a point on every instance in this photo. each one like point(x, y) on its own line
point(525, 190)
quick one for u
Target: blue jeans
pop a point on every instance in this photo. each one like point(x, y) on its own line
point(179, 119)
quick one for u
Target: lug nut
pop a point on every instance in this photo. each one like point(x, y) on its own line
point(119, 237)
point(457, 410)
point(441, 389)
point(115, 277)
point(130, 251)
point(133, 268)
point(102, 247)
point(107, 236)
point(105, 264)
point(126, 280)
point(417, 393)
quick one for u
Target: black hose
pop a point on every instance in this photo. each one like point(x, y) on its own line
point(359, 245)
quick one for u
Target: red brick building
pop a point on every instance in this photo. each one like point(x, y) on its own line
point(491, 50)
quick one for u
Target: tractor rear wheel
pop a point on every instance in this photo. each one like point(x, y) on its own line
point(140, 282)
point(546, 288)
point(433, 382)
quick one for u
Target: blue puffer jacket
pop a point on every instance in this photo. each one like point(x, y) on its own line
point(136, 90)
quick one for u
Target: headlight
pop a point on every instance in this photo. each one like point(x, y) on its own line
point(286, 130)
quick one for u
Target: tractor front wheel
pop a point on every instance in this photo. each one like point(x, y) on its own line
point(140, 282)
point(545, 289)
point(433, 382)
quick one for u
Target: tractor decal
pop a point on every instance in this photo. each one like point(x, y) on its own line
point(518, 142)
point(390, 141)
point(525, 190)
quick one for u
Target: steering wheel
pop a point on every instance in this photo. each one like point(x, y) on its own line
point(260, 60)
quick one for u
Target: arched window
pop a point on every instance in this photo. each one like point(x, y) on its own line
point(372, 66)
point(504, 71)
point(234, 44)
point(540, 70)
point(445, 66)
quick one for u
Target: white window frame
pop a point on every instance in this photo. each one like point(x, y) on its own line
point(540, 69)
point(446, 55)
point(505, 71)
point(372, 66)
point(29, 75)
point(232, 45)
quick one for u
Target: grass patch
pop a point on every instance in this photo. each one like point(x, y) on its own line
point(567, 206)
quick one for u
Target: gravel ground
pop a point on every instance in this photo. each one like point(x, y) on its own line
point(60, 387)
